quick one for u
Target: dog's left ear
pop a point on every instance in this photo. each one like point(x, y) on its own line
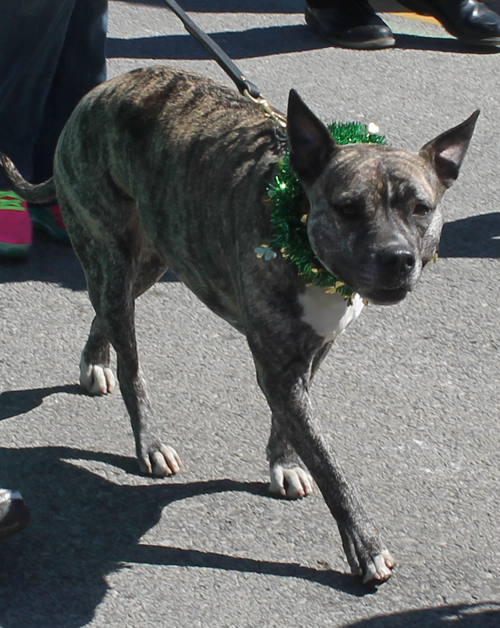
point(447, 151)
point(311, 144)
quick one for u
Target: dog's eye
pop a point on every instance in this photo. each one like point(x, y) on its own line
point(348, 210)
point(421, 209)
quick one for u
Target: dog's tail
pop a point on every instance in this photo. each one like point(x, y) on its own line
point(41, 193)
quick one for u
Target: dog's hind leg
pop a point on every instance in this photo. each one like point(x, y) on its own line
point(118, 268)
point(289, 477)
point(96, 374)
point(113, 299)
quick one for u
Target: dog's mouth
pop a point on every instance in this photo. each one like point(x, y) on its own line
point(386, 297)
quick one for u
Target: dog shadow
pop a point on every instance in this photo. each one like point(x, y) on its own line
point(16, 402)
point(84, 527)
point(475, 236)
point(482, 615)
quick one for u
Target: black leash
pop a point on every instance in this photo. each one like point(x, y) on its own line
point(216, 52)
point(244, 86)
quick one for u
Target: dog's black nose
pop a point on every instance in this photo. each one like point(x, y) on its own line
point(397, 260)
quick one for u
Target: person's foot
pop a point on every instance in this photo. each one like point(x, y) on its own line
point(350, 24)
point(14, 514)
point(468, 20)
point(15, 226)
point(48, 218)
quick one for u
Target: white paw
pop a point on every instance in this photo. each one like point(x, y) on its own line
point(161, 463)
point(379, 569)
point(292, 483)
point(98, 379)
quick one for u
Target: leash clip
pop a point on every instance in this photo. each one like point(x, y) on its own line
point(278, 118)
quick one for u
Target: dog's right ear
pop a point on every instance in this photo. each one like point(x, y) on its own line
point(311, 144)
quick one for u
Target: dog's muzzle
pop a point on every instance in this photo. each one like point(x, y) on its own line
point(396, 272)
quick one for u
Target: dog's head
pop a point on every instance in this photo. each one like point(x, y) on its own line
point(375, 217)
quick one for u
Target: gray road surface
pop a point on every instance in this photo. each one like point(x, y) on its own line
point(409, 394)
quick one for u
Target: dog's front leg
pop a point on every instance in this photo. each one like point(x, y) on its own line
point(286, 390)
point(289, 477)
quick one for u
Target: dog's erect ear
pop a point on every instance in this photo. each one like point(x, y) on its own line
point(311, 144)
point(447, 151)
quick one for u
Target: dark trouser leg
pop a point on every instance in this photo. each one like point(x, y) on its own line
point(81, 66)
point(32, 33)
point(48, 47)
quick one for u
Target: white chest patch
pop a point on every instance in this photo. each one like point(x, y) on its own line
point(329, 314)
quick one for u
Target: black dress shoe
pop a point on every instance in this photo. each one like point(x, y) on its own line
point(14, 514)
point(351, 24)
point(468, 20)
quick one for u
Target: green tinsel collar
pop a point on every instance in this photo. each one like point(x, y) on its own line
point(289, 214)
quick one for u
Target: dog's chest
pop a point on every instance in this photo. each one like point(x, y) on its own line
point(328, 314)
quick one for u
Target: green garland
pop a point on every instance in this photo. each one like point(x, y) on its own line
point(286, 196)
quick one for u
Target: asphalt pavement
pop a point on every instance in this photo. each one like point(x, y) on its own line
point(408, 395)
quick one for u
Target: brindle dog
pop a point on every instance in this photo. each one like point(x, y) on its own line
point(160, 168)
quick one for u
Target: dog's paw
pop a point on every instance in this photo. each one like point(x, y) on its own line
point(374, 569)
point(292, 483)
point(98, 379)
point(160, 462)
point(379, 568)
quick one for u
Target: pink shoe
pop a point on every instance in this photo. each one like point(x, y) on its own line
point(15, 226)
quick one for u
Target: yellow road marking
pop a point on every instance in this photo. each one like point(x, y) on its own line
point(415, 16)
